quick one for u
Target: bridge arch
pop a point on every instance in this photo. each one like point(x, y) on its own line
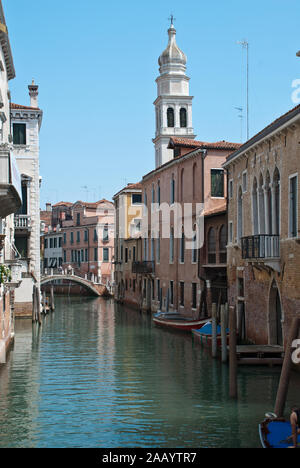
point(96, 289)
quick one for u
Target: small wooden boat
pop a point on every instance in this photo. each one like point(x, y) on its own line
point(275, 433)
point(177, 321)
point(204, 335)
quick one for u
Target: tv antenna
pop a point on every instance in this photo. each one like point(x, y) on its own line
point(245, 46)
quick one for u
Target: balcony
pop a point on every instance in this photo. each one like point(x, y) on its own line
point(23, 222)
point(10, 183)
point(143, 267)
point(261, 247)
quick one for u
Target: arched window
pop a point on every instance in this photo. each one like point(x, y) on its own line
point(172, 195)
point(182, 184)
point(105, 233)
point(212, 256)
point(183, 118)
point(261, 206)
point(170, 117)
point(240, 227)
point(255, 207)
point(268, 204)
point(182, 247)
point(276, 202)
point(222, 245)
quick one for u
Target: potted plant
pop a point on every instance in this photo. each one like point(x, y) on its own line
point(5, 274)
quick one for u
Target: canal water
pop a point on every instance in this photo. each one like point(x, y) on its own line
point(97, 374)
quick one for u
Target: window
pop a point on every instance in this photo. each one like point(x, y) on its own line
point(244, 181)
point(65, 256)
point(55, 242)
point(182, 184)
point(230, 189)
point(86, 233)
point(158, 289)
point(158, 193)
point(195, 250)
point(65, 238)
point(172, 190)
point(222, 245)
point(51, 243)
point(133, 254)
point(126, 255)
point(182, 247)
point(183, 119)
point(194, 295)
point(172, 292)
point(95, 254)
point(78, 236)
point(152, 249)
point(105, 254)
point(293, 201)
point(194, 180)
point(78, 219)
point(181, 293)
point(72, 237)
point(240, 226)
point(95, 235)
point(170, 117)
point(19, 134)
point(172, 245)
point(105, 234)
point(86, 256)
point(212, 257)
point(217, 183)
point(46, 243)
point(136, 198)
point(153, 194)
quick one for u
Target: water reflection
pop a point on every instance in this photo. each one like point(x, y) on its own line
point(100, 375)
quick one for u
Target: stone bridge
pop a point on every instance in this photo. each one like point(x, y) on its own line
point(97, 289)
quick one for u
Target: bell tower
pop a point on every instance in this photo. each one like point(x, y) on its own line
point(173, 106)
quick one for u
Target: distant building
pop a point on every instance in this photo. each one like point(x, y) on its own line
point(52, 252)
point(88, 240)
point(26, 123)
point(128, 209)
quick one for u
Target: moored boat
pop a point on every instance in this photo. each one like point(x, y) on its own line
point(275, 433)
point(177, 322)
point(204, 335)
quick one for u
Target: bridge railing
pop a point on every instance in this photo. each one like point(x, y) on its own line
point(72, 272)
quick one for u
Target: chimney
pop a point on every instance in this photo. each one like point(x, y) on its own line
point(48, 207)
point(33, 93)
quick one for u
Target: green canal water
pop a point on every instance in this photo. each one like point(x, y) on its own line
point(97, 374)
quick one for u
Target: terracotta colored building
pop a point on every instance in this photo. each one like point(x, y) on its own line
point(264, 231)
point(88, 240)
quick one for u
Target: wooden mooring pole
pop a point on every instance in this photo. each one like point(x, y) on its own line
point(233, 386)
point(52, 305)
point(224, 333)
point(286, 369)
point(214, 331)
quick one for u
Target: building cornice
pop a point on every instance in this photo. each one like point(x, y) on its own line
point(288, 120)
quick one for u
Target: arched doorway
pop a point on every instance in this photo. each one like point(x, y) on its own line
point(275, 317)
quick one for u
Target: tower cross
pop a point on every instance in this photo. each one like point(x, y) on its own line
point(172, 19)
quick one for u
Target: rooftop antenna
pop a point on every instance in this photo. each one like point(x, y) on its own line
point(245, 46)
point(241, 116)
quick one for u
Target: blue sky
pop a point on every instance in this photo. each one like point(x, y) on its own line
point(96, 65)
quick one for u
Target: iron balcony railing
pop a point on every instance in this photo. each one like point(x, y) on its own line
point(143, 267)
point(261, 246)
point(22, 222)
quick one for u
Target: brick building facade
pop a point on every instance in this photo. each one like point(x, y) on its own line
point(263, 231)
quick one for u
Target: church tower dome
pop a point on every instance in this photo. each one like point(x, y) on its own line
point(172, 59)
point(173, 106)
